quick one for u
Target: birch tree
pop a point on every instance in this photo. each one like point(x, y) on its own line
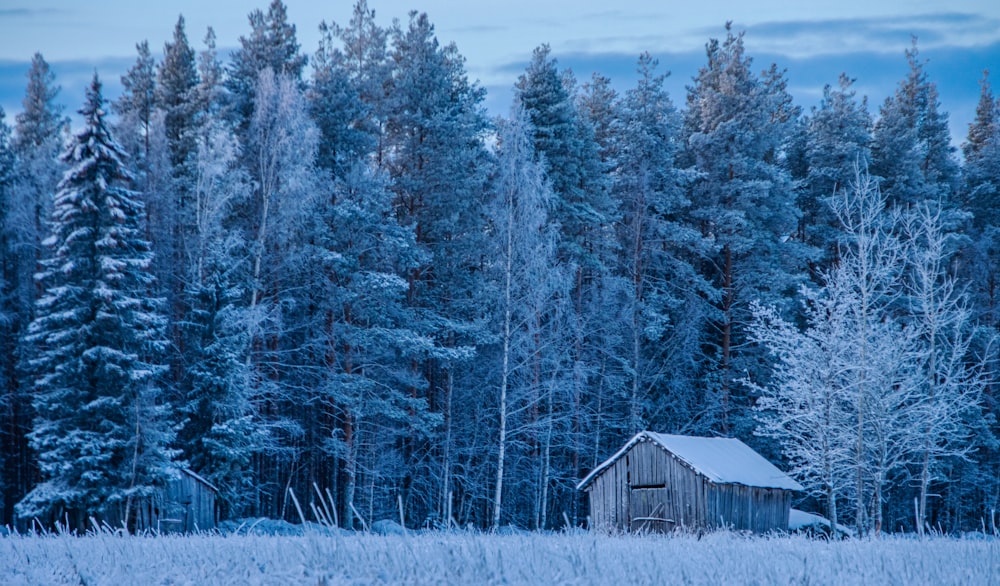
point(527, 283)
point(952, 382)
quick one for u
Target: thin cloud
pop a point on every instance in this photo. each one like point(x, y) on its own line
point(805, 38)
point(26, 12)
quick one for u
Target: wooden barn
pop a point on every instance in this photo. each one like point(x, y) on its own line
point(659, 482)
point(186, 504)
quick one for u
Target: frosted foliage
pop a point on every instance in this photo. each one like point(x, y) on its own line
point(98, 431)
point(472, 558)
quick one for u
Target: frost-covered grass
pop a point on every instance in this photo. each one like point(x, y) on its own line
point(472, 558)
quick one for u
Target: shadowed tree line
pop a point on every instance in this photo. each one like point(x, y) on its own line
point(295, 272)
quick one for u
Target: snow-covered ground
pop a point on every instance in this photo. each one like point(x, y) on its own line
point(473, 558)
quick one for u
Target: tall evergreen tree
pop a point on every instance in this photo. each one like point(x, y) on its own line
point(271, 45)
point(666, 300)
point(434, 154)
point(136, 108)
point(10, 418)
point(367, 337)
point(366, 64)
point(177, 78)
point(911, 145)
point(100, 431)
point(735, 131)
point(173, 223)
point(981, 177)
point(38, 135)
point(837, 139)
point(336, 105)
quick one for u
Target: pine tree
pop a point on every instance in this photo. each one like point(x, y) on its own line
point(837, 139)
point(271, 45)
point(657, 245)
point(369, 338)
point(177, 78)
point(911, 145)
point(100, 431)
point(335, 102)
point(208, 95)
point(365, 62)
point(433, 153)
point(38, 135)
point(570, 156)
point(742, 202)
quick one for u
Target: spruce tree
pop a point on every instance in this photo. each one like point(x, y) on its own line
point(100, 431)
point(173, 223)
point(136, 108)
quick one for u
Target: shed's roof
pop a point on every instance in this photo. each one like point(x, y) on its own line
point(192, 474)
point(720, 460)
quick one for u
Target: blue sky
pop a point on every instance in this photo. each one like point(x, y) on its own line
point(813, 40)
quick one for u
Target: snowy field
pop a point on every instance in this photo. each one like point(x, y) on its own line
point(458, 558)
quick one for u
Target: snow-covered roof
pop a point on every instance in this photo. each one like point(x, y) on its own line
point(720, 460)
point(192, 474)
point(800, 520)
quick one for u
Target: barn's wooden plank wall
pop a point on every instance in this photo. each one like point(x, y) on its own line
point(650, 489)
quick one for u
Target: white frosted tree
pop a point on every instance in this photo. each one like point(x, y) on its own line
point(100, 431)
point(275, 224)
point(951, 380)
point(282, 149)
point(882, 378)
point(806, 408)
point(526, 283)
point(846, 398)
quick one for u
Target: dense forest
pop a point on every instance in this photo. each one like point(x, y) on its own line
point(334, 272)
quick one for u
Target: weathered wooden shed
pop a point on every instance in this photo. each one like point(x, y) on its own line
point(659, 482)
point(185, 504)
point(189, 504)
